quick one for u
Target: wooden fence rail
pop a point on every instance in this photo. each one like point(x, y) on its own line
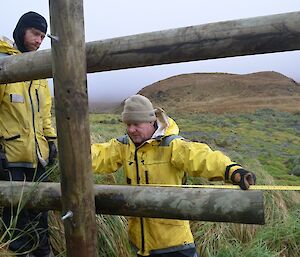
point(265, 34)
point(218, 205)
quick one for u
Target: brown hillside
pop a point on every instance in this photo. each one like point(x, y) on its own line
point(222, 92)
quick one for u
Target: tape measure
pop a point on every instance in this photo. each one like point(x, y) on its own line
point(252, 187)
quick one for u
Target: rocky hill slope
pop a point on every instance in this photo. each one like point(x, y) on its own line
point(223, 92)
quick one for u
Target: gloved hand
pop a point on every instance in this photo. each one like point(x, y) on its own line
point(52, 152)
point(243, 178)
point(3, 160)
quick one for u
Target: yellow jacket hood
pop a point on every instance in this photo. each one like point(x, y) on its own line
point(6, 46)
point(165, 125)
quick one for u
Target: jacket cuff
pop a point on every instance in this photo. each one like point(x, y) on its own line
point(229, 170)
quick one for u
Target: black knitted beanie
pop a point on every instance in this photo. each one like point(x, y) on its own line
point(28, 20)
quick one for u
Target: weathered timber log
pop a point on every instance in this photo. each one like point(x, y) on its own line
point(72, 123)
point(265, 34)
point(217, 205)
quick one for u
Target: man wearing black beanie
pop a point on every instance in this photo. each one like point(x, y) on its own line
point(26, 140)
point(30, 23)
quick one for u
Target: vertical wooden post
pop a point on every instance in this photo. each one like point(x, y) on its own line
point(71, 105)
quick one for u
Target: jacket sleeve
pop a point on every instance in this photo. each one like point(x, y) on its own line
point(201, 161)
point(106, 157)
point(5, 50)
point(49, 131)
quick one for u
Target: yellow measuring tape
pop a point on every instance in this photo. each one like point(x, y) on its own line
point(252, 187)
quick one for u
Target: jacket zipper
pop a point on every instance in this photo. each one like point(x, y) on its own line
point(38, 99)
point(141, 219)
point(137, 167)
point(147, 177)
point(33, 122)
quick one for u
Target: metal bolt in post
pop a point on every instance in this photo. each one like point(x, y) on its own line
point(53, 37)
point(69, 214)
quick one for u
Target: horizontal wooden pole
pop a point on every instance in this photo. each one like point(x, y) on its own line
point(265, 34)
point(216, 205)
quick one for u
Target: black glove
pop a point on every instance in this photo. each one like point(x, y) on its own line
point(243, 178)
point(3, 160)
point(52, 152)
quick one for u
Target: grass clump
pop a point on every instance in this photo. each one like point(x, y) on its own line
point(278, 237)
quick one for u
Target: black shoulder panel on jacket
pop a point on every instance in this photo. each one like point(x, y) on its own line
point(168, 139)
point(123, 139)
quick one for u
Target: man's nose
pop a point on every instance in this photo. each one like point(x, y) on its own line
point(131, 128)
point(39, 39)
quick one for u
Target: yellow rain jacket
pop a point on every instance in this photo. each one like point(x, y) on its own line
point(164, 159)
point(25, 119)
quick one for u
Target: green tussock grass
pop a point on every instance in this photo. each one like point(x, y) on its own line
point(10, 233)
point(269, 136)
point(278, 237)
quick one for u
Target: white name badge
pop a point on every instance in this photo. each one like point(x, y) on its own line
point(14, 98)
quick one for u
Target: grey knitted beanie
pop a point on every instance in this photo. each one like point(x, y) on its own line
point(138, 108)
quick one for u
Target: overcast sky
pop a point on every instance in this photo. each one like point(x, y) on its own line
point(112, 18)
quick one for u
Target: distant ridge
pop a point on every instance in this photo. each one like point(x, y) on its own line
point(102, 107)
point(224, 92)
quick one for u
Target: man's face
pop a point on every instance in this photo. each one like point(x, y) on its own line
point(33, 39)
point(140, 132)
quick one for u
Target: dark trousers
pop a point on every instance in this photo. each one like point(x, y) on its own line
point(191, 252)
point(30, 231)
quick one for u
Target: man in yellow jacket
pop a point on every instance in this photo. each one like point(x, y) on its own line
point(152, 152)
point(26, 138)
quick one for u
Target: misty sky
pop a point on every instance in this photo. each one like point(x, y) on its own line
point(113, 18)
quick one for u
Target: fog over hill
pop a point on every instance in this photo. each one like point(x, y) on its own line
point(220, 93)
